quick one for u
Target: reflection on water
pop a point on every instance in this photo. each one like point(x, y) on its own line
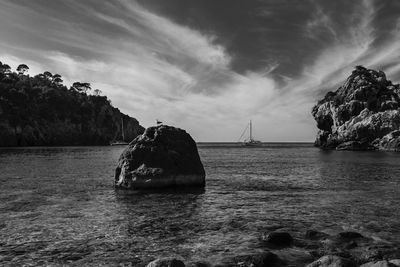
point(58, 205)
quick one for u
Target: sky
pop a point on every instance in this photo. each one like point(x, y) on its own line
point(207, 66)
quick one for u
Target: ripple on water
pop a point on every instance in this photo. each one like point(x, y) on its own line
point(70, 213)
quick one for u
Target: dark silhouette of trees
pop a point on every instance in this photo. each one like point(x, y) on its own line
point(48, 113)
point(47, 75)
point(22, 68)
point(97, 92)
point(4, 68)
point(81, 87)
point(57, 79)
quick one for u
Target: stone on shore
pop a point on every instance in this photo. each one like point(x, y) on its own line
point(199, 264)
point(383, 263)
point(332, 261)
point(350, 235)
point(265, 259)
point(363, 114)
point(395, 262)
point(278, 238)
point(313, 234)
point(167, 262)
point(163, 156)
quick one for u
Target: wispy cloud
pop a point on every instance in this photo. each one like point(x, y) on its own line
point(152, 67)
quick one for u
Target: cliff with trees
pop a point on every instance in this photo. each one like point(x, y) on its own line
point(41, 111)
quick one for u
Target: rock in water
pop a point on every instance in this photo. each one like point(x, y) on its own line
point(163, 156)
point(332, 261)
point(363, 114)
point(278, 238)
point(383, 263)
point(166, 263)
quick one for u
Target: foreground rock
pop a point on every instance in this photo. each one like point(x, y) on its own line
point(166, 263)
point(266, 259)
point(277, 238)
point(314, 249)
point(363, 114)
point(163, 156)
point(332, 261)
point(379, 264)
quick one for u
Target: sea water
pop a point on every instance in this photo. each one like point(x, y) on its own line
point(58, 205)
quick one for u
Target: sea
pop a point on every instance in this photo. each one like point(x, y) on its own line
point(58, 205)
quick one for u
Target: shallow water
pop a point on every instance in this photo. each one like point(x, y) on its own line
point(58, 205)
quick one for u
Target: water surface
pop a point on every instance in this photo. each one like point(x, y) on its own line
point(58, 205)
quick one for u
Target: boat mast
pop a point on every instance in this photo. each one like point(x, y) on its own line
point(123, 135)
point(251, 132)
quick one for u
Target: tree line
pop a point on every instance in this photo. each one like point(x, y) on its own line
point(7, 75)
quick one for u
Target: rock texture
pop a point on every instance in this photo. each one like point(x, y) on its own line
point(278, 238)
point(163, 156)
point(166, 263)
point(332, 261)
point(264, 259)
point(363, 114)
point(379, 264)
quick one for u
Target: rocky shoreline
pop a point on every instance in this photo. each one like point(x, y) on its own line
point(312, 249)
point(363, 114)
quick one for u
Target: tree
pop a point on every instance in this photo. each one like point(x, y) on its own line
point(22, 68)
point(97, 92)
point(57, 79)
point(47, 74)
point(40, 76)
point(81, 87)
point(4, 68)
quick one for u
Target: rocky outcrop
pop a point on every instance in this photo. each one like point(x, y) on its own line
point(163, 156)
point(363, 114)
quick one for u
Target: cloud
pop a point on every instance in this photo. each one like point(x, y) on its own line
point(152, 67)
point(320, 22)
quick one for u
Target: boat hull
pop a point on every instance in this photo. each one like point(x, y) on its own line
point(254, 143)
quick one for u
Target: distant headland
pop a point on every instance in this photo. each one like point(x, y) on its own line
point(363, 114)
point(41, 111)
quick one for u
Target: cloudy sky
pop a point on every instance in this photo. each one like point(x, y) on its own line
point(208, 66)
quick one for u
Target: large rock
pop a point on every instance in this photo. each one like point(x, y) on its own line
point(363, 114)
point(163, 156)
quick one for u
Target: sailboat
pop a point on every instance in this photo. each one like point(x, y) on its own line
point(250, 141)
point(120, 142)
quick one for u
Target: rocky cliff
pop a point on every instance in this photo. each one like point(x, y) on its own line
point(39, 111)
point(363, 114)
